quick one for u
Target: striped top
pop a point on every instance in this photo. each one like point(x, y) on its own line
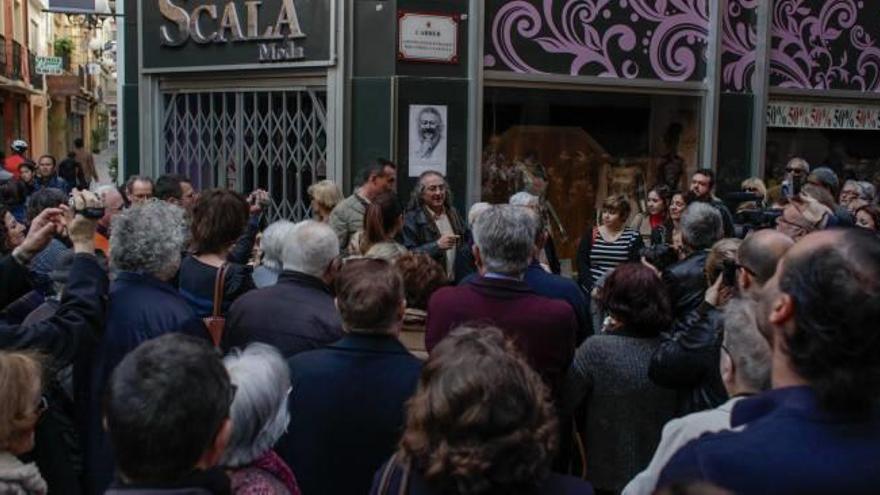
point(605, 255)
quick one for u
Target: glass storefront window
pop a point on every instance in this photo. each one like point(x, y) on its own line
point(852, 154)
point(575, 148)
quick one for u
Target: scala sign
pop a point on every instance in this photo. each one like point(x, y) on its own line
point(179, 35)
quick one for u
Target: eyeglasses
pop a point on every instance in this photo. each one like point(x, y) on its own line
point(727, 351)
point(796, 171)
point(750, 189)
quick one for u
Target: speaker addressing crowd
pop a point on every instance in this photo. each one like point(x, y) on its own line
point(160, 339)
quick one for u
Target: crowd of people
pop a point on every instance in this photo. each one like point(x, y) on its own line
point(155, 339)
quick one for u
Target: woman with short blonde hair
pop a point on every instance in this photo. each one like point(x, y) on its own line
point(21, 386)
point(325, 196)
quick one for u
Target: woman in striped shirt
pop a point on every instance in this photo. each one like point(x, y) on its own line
point(604, 247)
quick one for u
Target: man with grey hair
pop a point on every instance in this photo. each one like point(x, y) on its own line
point(464, 257)
point(297, 313)
point(745, 370)
point(259, 417)
point(543, 328)
point(145, 250)
point(547, 256)
point(271, 246)
point(701, 227)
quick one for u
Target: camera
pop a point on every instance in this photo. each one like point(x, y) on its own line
point(660, 256)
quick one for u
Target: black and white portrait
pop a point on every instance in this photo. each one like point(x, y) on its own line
point(427, 139)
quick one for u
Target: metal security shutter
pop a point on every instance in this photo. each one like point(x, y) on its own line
point(273, 139)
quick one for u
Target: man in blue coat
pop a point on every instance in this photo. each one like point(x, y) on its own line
point(347, 401)
point(818, 429)
point(145, 251)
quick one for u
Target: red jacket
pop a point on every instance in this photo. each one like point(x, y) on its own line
point(12, 162)
point(543, 329)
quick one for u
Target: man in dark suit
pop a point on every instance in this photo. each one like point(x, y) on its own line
point(817, 430)
point(347, 401)
point(543, 329)
point(297, 313)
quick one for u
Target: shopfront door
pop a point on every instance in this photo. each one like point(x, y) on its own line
point(272, 139)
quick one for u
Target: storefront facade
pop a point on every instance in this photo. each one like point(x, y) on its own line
point(574, 99)
point(235, 94)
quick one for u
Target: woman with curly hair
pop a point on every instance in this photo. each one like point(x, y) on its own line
point(422, 276)
point(481, 422)
point(625, 411)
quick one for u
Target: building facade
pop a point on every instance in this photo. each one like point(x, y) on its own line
point(574, 100)
point(79, 106)
point(22, 96)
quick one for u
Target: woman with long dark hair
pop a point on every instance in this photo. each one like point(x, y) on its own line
point(383, 220)
point(657, 213)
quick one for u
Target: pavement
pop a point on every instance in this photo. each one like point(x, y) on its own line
point(102, 162)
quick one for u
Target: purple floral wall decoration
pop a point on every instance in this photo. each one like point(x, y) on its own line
point(738, 41)
point(654, 39)
point(825, 44)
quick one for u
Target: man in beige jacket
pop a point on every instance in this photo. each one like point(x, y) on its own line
point(347, 218)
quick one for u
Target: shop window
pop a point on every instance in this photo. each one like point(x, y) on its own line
point(575, 148)
point(852, 154)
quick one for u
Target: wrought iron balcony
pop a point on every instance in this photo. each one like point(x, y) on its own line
point(16, 60)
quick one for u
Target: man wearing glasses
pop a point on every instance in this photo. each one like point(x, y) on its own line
point(796, 172)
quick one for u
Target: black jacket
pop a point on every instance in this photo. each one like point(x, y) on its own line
point(294, 315)
point(348, 403)
point(420, 233)
point(687, 360)
point(81, 315)
point(686, 283)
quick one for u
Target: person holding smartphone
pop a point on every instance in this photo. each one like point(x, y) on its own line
point(431, 223)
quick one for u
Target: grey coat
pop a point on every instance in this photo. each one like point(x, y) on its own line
point(347, 218)
point(625, 411)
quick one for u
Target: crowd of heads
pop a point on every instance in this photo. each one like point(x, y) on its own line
point(795, 303)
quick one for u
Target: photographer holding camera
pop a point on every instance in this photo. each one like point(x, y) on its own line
point(688, 354)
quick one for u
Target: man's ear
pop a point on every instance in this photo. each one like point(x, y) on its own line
point(744, 280)
point(781, 310)
point(211, 456)
point(478, 260)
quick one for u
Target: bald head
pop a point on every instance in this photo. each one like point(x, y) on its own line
point(761, 251)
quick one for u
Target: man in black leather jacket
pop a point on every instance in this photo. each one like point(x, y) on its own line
point(687, 358)
point(81, 315)
point(686, 280)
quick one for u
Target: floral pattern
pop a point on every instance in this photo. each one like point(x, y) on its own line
point(822, 45)
point(738, 41)
point(655, 39)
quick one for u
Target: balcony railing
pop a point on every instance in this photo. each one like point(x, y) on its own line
point(3, 64)
point(36, 79)
point(16, 60)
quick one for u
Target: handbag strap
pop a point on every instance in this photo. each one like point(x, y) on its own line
point(219, 282)
point(388, 473)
